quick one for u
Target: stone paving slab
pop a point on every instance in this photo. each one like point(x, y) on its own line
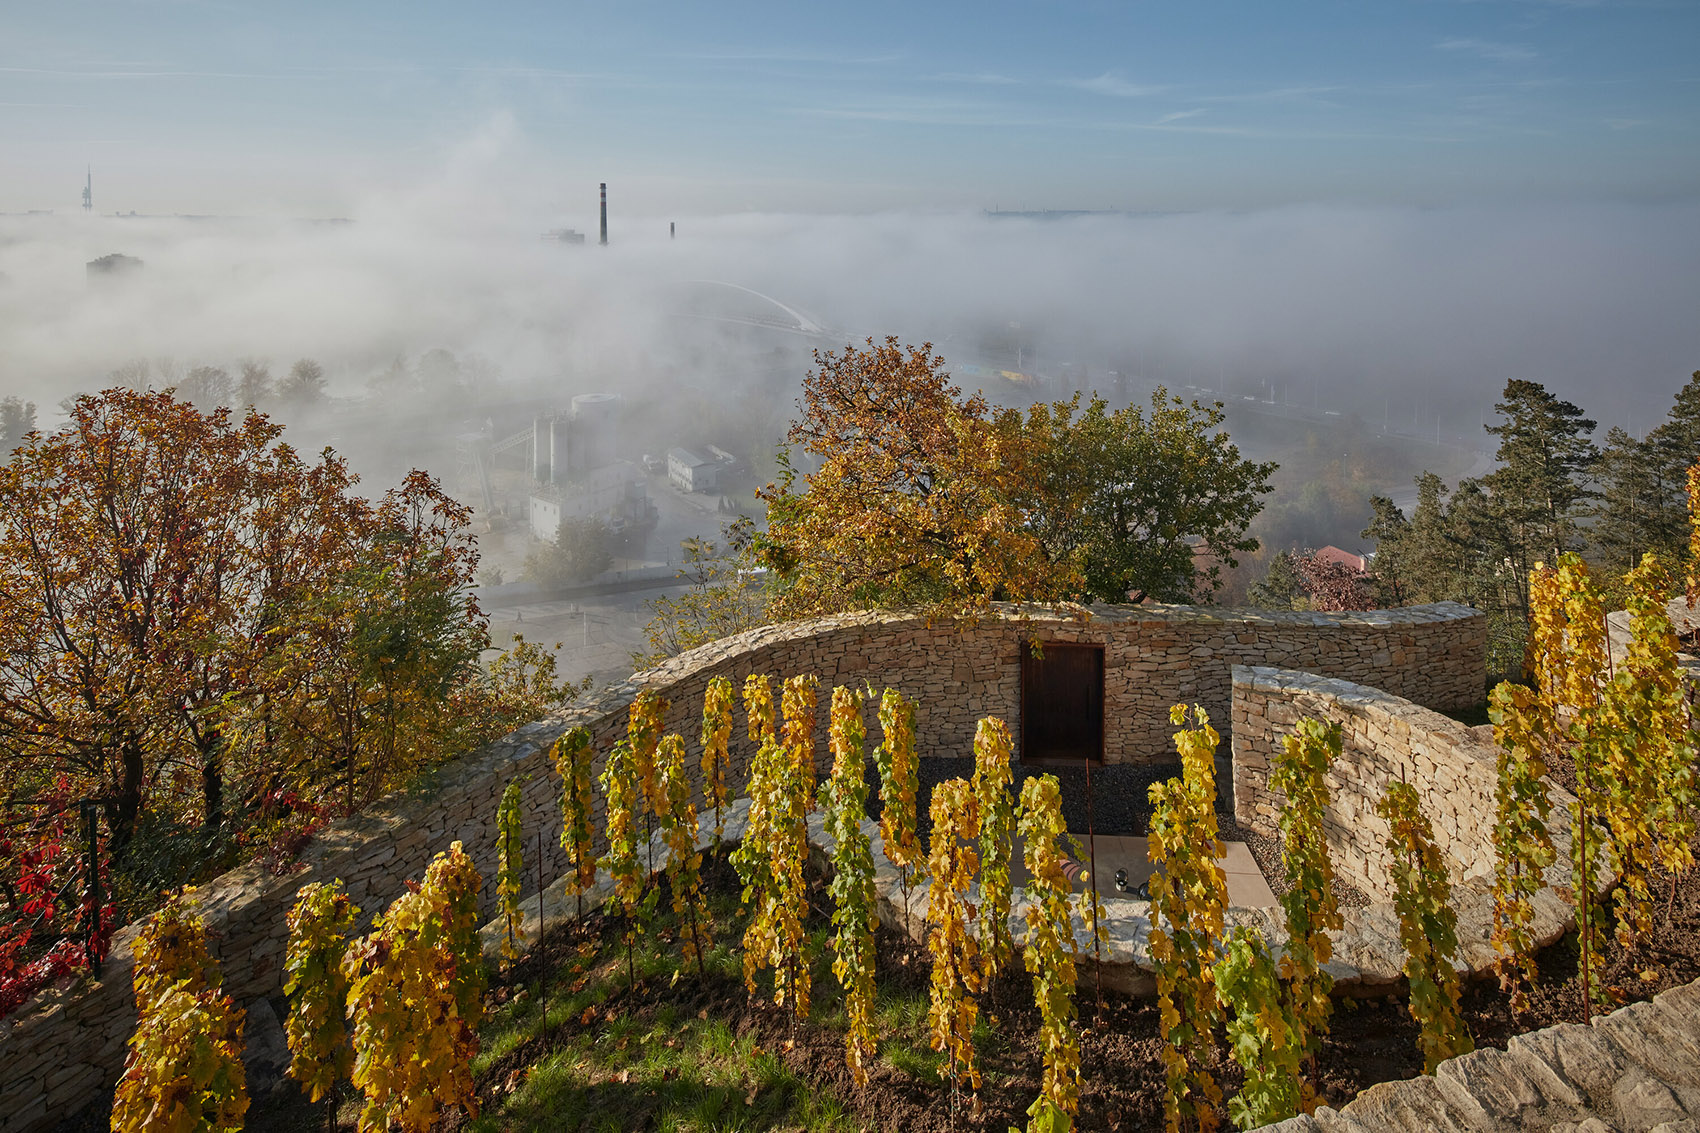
point(1635, 1070)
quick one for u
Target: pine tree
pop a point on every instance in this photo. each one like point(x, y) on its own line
point(1545, 457)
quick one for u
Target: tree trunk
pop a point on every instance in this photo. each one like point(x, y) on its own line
point(129, 798)
point(212, 779)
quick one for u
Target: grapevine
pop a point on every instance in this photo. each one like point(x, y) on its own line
point(853, 896)
point(716, 733)
point(1523, 848)
point(1189, 894)
point(622, 787)
point(416, 990)
point(991, 787)
point(1693, 534)
point(758, 706)
point(952, 1007)
point(798, 733)
point(684, 863)
point(172, 949)
point(510, 868)
point(184, 1071)
point(899, 771)
point(1050, 953)
point(1300, 775)
point(572, 756)
point(1263, 1035)
point(319, 928)
point(1650, 752)
point(643, 732)
point(1567, 618)
point(754, 861)
point(184, 1068)
point(1427, 927)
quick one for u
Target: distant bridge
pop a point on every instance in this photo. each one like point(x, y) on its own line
point(732, 304)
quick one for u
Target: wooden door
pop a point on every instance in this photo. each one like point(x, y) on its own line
point(1062, 703)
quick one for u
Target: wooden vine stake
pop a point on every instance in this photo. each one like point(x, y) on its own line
point(1189, 895)
point(684, 862)
point(716, 740)
point(1300, 775)
point(899, 771)
point(573, 758)
point(991, 786)
point(854, 915)
point(956, 974)
point(1427, 927)
point(1050, 953)
point(184, 1067)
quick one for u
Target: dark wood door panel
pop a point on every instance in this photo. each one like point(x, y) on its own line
point(1062, 703)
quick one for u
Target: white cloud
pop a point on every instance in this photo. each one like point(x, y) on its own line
point(1489, 49)
point(1112, 84)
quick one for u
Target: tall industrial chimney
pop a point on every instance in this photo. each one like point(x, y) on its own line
point(604, 213)
point(670, 231)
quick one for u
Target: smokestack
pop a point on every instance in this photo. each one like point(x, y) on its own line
point(670, 232)
point(604, 213)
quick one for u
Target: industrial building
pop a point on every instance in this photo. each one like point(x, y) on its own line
point(692, 472)
point(577, 472)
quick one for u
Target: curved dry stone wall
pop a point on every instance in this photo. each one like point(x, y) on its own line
point(69, 1044)
point(1386, 739)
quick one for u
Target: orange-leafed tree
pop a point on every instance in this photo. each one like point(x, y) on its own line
point(915, 499)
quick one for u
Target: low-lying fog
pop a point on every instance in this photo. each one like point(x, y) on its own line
point(1384, 311)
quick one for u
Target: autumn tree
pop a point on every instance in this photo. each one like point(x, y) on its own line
point(200, 624)
point(128, 555)
point(926, 498)
point(914, 503)
point(1125, 499)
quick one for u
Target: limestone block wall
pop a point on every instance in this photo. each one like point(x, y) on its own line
point(1385, 739)
point(69, 1043)
point(1154, 656)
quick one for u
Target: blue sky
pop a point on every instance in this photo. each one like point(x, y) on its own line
point(193, 106)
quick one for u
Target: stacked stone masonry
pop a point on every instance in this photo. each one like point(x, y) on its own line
point(1386, 739)
point(67, 1045)
point(1636, 1070)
